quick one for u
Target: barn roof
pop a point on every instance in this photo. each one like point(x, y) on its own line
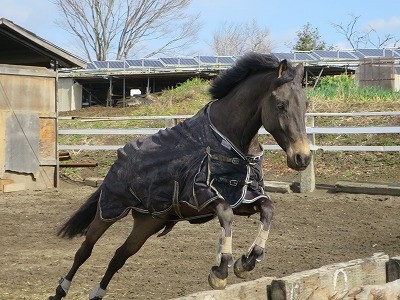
point(19, 46)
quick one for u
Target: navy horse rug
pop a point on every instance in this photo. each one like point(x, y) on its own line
point(191, 162)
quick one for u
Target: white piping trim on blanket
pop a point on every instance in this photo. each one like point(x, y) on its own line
point(240, 153)
point(122, 215)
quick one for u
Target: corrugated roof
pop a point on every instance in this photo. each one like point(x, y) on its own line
point(19, 46)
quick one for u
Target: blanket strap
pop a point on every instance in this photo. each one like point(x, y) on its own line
point(175, 200)
point(223, 158)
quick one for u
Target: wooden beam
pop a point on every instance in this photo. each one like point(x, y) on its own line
point(390, 290)
point(254, 290)
point(331, 281)
point(376, 188)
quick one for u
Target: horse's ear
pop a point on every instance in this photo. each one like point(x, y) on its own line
point(282, 68)
point(299, 73)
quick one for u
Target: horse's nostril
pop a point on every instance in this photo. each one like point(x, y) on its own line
point(299, 160)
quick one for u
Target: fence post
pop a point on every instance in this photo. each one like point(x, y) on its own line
point(307, 177)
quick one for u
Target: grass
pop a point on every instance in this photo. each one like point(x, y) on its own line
point(342, 88)
point(334, 94)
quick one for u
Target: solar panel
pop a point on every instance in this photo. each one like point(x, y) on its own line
point(100, 64)
point(116, 64)
point(179, 61)
point(378, 52)
point(207, 59)
point(347, 55)
point(327, 54)
point(145, 63)
point(90, 66)
point(282, 56)
point(153, 63)
point(303, 56)
point(226, 60)
point(169, 60)
point(134, 62)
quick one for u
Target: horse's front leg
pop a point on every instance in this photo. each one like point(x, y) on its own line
point(256, 252)
point(217, 278)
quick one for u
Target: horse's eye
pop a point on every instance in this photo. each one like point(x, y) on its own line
point(281, 106)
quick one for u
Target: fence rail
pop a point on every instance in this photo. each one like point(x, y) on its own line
point(307, 180)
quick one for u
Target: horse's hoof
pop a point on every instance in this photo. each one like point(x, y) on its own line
point(60, 293)
point(239, 269)
point(215, 282)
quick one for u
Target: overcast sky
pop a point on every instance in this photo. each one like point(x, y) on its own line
point(283, 18)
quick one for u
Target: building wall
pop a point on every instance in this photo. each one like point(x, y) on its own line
point(28, 126)
point(379, 73)
point(69, 95)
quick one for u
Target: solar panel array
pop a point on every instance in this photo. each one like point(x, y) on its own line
point(335, 55)
point(179, 61)
point(224, 61)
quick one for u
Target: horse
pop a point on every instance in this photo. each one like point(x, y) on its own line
point(207, 166)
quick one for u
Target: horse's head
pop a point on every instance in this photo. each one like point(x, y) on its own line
point(283, 115)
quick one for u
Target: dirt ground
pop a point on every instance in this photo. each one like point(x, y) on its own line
point(309, 231)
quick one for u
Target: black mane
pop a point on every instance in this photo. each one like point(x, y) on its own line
point(246, 66)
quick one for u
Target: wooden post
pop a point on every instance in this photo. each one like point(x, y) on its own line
point(393, 269)
point(307, 177)
point(169, 122)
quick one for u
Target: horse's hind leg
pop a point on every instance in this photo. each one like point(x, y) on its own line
point(256, 253)
point(218, 274)
point(144, 226)
point(95, 230)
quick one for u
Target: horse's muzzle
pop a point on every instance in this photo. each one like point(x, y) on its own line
point(299, 155)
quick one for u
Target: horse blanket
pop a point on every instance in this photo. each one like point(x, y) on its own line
point(191, 162)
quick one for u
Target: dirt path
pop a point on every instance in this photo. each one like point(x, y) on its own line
point(308, 231)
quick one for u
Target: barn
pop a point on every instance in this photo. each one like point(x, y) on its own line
point(28, 108)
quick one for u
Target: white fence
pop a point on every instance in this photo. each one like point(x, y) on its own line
point(307, 183)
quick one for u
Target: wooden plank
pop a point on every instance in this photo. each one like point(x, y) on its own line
point(13, 187)
point(393, 269)
point(277, 186)
point(47, 141)
point(390, 290)
point(4, 182)
point(251, 290)
point(330, 281)
point(4, 115)
point(376, 188)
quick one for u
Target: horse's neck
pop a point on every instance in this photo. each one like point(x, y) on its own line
point(239, 119)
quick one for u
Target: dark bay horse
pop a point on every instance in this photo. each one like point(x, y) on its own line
point(207, 166)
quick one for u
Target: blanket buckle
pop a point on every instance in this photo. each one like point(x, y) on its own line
point(235, 161)
point(233, 182)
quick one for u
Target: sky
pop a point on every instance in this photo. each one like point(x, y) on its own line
point(283, 18)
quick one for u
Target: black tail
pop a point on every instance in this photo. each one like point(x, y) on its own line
point(81, 219)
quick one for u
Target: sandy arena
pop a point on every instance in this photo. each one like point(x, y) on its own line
point(309, 231)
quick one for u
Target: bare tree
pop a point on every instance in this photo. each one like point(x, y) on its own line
point(363, 38)
point(237, 39)
point(121, 26)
